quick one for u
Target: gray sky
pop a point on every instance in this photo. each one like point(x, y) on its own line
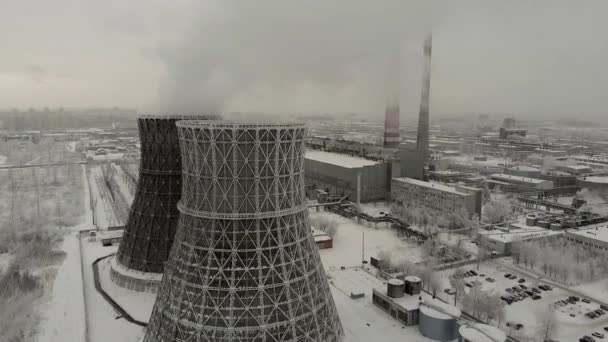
point(525, 57)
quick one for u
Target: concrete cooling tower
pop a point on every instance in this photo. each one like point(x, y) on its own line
point(152, 221)
point(244, 265)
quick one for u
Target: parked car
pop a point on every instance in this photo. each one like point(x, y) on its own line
point(519, 326)
point(534, 289)
point(473, 272)
point(468, 285)
point(536, 297)
point(491, 280)
point(586, 300)
point(507, 275)
point(604, 307)
point(606, 328)
point(523, 286)
point(598, 335)
point(521, 280)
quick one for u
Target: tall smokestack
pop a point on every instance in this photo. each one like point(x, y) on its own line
point(422, 142)
point(391, 116)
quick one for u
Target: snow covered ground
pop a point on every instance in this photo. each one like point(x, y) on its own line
point(348, 242)
point(2, 159)
point(63, 317)
point(103, 322)
point(120, 178)
point(138, 304)
point(529, 312)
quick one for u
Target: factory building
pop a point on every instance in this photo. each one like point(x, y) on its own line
point(523, 171)
point(501, 240)
point(523, 182)
point(594, 182)
point(506, 133)
point(593, 238)
point(341, 174)
point(401, 299)
point(437, 197)
point(576, 170)
point(559, 179)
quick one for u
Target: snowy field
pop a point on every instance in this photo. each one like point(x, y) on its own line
point(138, 304)
point(348, 243)
point(102, 321)
point(528, 311)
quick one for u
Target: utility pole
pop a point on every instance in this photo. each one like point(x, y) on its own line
point(363, 249)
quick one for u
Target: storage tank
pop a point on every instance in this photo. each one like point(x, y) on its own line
point(438, 320)
point(543, 224)
point(413, 285)
point(480, 333)
point(395, 288)
point(531, 221)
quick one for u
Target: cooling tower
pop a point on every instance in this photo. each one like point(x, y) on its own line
point(244, 265)
point(152, 221)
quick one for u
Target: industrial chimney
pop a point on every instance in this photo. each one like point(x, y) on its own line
point(422, 141)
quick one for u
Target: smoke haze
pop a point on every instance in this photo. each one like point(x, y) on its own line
point(544, 58)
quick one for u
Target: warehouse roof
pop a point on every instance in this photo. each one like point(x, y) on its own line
point(343, 160)
point(518, 178)
point(597, 233)
point(438, 186)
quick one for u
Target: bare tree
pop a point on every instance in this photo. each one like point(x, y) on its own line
point(434, 284)
point(496, 211)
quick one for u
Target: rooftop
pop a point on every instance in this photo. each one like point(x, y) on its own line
point(597, 233)
point(596, 179)
point(338, 159)
point(482, 333)
point(521, 232)
point(438, 186)
point(518, 178)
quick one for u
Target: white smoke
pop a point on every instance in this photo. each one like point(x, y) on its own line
point(281, 55)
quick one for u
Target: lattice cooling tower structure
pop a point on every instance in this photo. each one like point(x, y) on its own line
point(152, 221)
point(244, 265)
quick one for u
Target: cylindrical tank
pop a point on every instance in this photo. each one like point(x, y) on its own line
point(413, 285)
point(531, 221)
point(395, 288)
point(543, 224)
point(438, 320)
point(480, 333)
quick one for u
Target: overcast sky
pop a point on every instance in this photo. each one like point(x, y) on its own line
point(523, 57)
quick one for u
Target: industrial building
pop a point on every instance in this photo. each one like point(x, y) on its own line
point(591, 238)
point(522, 182)
point(523, 171)
point(150, 228)
point(341, 174)
point(576, 170)
point(560, 179)
point(594, 182)
point(501, 240)
point(244, 265)
point(435, 196)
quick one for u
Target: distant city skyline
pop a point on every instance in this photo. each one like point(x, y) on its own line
point(543, 59)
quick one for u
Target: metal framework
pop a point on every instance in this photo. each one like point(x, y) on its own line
point(244, 265)
point(152, 220)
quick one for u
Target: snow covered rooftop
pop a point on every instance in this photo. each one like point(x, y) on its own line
point(502, 176)
point(597, 233)
point(596, 179)
point(482, 333)
point(520, 233)
point(338, 159)
point(525, 168)
point(438, 309)
point(438, 186)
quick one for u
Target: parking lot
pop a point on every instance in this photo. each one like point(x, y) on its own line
point(526, 304)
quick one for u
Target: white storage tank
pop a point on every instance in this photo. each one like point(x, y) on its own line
point(477, 332)
point(438, 320)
